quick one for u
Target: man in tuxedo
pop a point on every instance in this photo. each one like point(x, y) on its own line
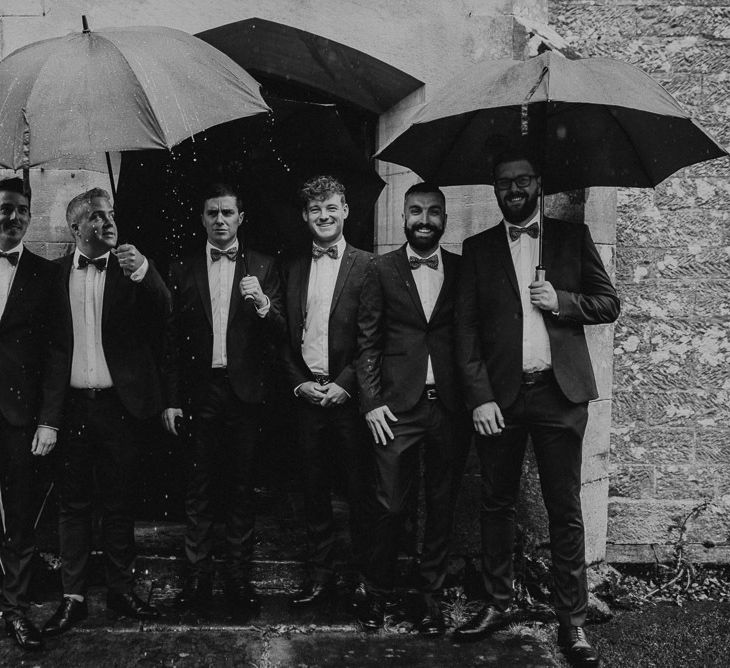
point(225, 327)
point(526, 370)
point(118, 304)
point(322, 298)
point(409, 395)
point(34, 361)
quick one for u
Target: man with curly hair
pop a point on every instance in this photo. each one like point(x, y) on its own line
point(322, 298)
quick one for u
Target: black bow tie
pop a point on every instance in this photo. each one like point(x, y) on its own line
point(99, 262)
point(318, 252)
point(431, 262)
point(531, 230)
point(11, 257)
point(216, 254)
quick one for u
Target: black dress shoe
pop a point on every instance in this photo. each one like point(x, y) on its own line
point(312, 593)
point(197, 590)
point(26, 635)
point(67, 615)
point(574, 643)
point(242, 594)
point(486, 621)
point(130, 605)
point(371, 613)
point(431, 623)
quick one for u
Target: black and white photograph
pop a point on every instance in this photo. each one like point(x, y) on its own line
point(363, 333)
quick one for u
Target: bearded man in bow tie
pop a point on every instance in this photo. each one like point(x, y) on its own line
point(409, 394)
point(226, 325)
point(118, 306)
point(526, 370)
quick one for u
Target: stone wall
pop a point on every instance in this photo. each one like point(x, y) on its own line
point(670, 440)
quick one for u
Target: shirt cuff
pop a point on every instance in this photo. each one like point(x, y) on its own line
point(264, 309)
point(296, 390)
point(48, 426)
point(139, 275)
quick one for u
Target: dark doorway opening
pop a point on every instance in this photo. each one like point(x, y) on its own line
point(158, 209)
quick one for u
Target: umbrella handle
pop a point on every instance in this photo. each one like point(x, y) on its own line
point(539, 273)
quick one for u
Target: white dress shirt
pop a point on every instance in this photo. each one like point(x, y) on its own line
point(86, 292)
point(7, 274)
point(428, 283)
point(220, 284)
point(320, 290)
point(535, 341)
point(89, 368)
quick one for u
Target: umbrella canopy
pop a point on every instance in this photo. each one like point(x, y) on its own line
point(595, 122)
point(117, 89)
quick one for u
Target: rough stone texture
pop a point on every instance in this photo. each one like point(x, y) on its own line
point(670, 440)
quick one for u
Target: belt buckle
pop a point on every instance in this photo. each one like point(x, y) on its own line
point(431, 394)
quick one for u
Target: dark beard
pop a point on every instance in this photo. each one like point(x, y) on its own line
point(523, 213)
point(422, 245)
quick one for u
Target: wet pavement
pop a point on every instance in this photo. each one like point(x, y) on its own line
point(276, 637)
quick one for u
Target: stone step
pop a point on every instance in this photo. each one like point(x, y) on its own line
point(276, 637)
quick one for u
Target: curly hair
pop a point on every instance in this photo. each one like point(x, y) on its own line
point(321, 188)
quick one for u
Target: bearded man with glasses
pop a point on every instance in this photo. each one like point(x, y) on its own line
point(524, 362)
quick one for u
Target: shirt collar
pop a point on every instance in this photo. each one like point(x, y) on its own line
point(78, 253)
point(17, 249)
point(340, 245)
point(535, 219)
point(437, 253)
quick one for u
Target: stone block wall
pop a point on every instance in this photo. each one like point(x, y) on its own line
point(670, 436)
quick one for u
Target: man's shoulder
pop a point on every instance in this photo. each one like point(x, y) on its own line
point(484, 237)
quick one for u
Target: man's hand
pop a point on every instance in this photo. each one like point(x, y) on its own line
point(44, 440)
point(377, 420)
point(334, 395)
point(312, 392)
point(543, 295)
point(487, 419)
point(168, 419)
point(250, 286)
point(130, 259)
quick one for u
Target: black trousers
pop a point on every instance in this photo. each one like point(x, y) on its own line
point(99, 448)
point(333, 442)
point(556, 426)
point(17, 544)
point(224, 434)
point(428, 426)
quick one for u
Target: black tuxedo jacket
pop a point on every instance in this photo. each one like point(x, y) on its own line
point(489, 313)
point(395, 339)
point(342, 326)
point(132, 325)
point(251, 341)
point(35, 349)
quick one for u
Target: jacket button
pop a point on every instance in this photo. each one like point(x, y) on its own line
point(518, 316)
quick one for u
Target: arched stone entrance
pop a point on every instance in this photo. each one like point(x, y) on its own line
point(158, 205)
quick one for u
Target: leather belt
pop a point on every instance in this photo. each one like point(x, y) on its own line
point(430, 393)
point(321, 378)
point(92, 393)
point(533, 377)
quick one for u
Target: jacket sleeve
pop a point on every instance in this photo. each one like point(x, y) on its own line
point(370, 340)
point(274, 320)
point(57, 362)
point(470, 361)
point(597, 302)
point(171, 345)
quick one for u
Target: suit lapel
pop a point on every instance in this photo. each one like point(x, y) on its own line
point(200, 275)
point(23, 273)
point(449, 278)
point(503, 253)
point(113, 276)
point(406, 273)
point(238, 274)
point(344, 271)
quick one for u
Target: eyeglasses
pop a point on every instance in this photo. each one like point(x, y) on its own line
point(522, 181)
